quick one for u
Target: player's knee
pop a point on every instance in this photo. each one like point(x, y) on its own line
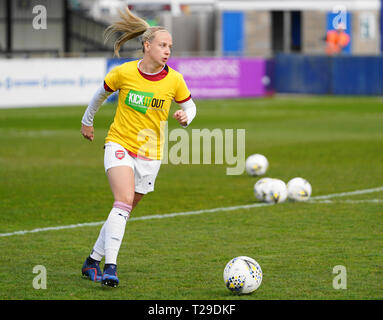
point(126, 199)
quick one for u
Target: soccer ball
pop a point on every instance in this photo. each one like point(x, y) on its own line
point(261, 187)
point(277, 192)
point(256, 164)
point(299, 189)
point(242, 275)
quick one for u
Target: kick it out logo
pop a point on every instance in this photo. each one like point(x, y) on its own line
point(141, 101)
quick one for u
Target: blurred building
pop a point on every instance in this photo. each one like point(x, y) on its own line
point(199, 27)
point(301, 25)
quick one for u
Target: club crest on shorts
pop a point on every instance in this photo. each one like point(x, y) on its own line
point(120, 154)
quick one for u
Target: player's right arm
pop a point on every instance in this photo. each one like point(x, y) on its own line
point(111, 84)
point(97, 100)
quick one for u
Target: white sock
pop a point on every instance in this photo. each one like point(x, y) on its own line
point(115, 226)
point(98, 251)
point(114, 230)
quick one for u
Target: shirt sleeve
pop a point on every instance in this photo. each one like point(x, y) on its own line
point(182, 94)
point(190, 108)
point(112, 79)
point(97, 100)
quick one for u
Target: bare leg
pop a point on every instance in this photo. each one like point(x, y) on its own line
point(137, 199)
point(121, 180)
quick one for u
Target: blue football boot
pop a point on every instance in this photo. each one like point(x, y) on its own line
point(109, 277)
point(91, 270)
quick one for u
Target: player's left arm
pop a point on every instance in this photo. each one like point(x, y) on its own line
point(186, 114)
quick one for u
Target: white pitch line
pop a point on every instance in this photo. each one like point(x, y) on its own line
point(156, 216)
point(350, 193)
point(71, 226)
point(187, 213)
point(347, 201)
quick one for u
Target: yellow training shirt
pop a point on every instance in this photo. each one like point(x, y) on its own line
point(143, 107)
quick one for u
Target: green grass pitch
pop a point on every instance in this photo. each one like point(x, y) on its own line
point(51, 176)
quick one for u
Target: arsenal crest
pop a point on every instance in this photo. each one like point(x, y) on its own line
point(120, 154)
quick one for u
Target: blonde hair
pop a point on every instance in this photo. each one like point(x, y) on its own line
point(131, 27)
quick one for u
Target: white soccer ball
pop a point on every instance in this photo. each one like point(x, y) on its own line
point(261, 187)
point(242, 275)
point(299, 189)
point(256, 165)
point(276, 191)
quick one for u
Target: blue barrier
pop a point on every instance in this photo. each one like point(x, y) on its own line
point(357, 76)
point(302, 74)
point(341, 75)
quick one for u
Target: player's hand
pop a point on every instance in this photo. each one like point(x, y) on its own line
point(87, 132)
point(181, 117)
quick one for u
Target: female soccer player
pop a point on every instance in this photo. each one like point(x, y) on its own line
point(134, 144)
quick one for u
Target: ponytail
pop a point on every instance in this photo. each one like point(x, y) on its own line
point(131, 27)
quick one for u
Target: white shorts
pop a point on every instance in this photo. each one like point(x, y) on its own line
point(145, 171)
